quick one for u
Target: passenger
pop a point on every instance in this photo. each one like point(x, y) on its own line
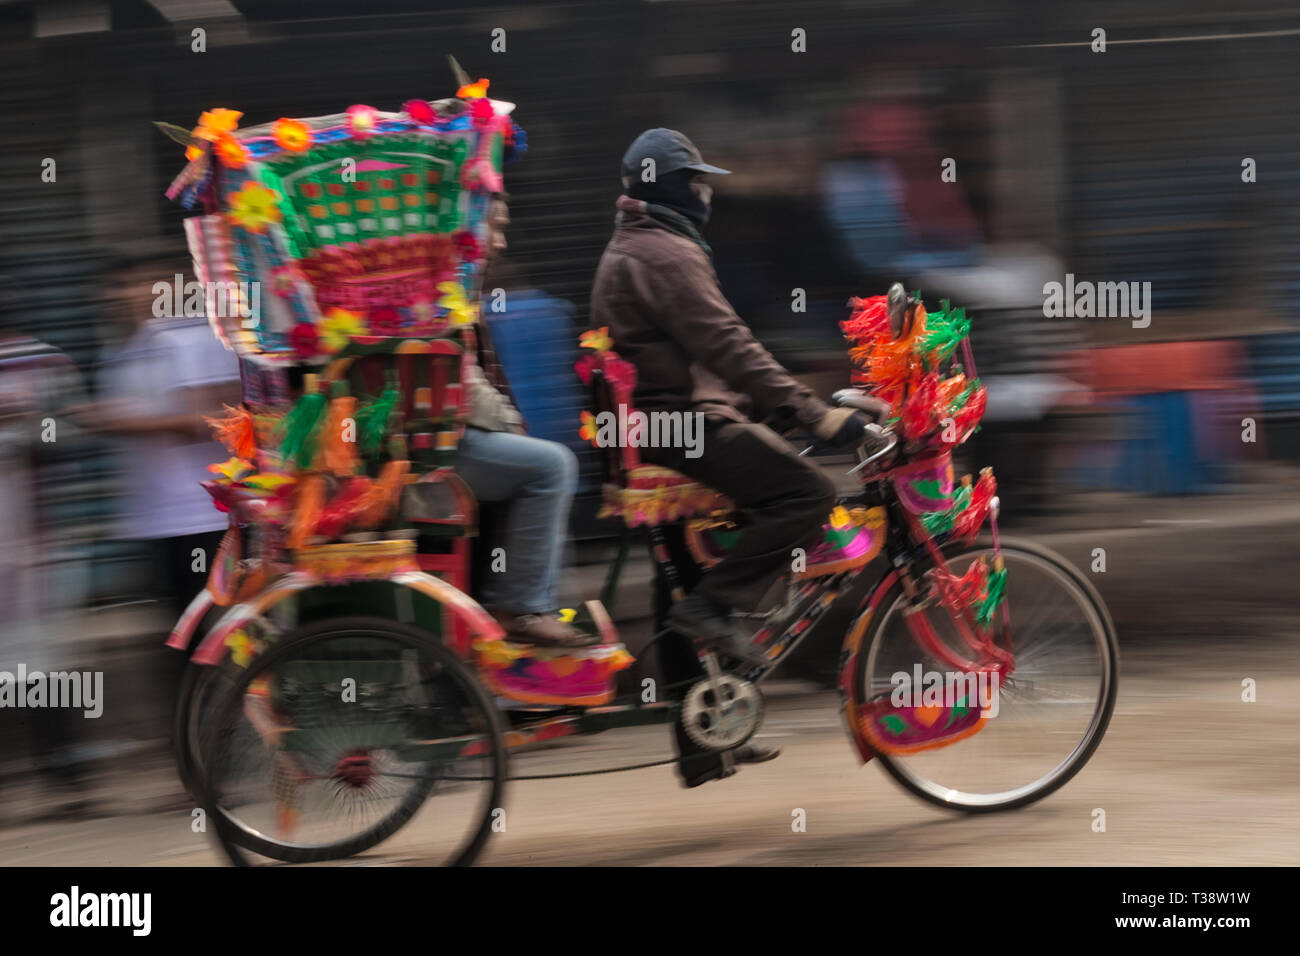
point(500, 463)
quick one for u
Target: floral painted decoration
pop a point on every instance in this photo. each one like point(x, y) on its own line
point(255, 207)
point(339, 326)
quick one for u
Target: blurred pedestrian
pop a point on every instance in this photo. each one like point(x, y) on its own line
point(157, 387)
point(39, 385)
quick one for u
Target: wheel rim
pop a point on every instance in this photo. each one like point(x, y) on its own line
point(299, 772)
point(1051, 710)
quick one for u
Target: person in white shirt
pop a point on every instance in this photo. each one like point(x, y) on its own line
point(157, 387)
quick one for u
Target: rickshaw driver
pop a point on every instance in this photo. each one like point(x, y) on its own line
point(537, 477)
point(656, 291)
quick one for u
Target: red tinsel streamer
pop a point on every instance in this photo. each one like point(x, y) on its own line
point(919, 414)
point(968, 523)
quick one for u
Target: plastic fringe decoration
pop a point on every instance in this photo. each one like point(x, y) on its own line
point(235, 431)
point(336, 454)
point(382, 497)
point(939, 522)
point(993, 598)
point(372, 420)
point(298, 432)
point(307, 510)
point(944, 331)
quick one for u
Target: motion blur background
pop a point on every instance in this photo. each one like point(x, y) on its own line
point(1122, 166)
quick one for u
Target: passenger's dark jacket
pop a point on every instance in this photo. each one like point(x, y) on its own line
point(657, 292)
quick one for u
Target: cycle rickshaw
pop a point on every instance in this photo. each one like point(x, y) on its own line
point(349, 678)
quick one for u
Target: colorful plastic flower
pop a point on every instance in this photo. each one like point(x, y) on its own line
point(567, 614)
point(292, 135)
point(255, 207)
point(231, 152)
point(597, 339)
point(305, 339)
point(459, 309)
point(588, 430)
point(471, 91)
point(212, 123)
point(482, 112)
point(362, 120)
point(339, 326)
point(220, 120)
point(421, 111)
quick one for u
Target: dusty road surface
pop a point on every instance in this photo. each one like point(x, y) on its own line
point(1187, 774)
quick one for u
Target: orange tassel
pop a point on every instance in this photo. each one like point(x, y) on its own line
point(235, 431)
point(336, 453)
point(382, 497)
point(311, 500)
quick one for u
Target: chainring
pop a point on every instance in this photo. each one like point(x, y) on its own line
point(740, 715)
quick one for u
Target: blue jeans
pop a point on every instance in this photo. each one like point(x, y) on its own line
point(539, 477)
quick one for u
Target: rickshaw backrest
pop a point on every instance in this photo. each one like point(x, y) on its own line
point(429, 377)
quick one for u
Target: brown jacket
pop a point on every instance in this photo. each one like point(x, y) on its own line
point(657, 292)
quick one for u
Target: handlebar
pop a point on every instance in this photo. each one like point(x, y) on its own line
point(888, 449)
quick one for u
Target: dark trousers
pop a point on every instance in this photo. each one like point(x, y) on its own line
point(785, 500)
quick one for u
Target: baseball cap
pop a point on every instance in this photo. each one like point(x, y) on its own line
point(670, 150)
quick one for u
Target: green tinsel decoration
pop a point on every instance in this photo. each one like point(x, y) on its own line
point(297, 432)
point(944, 331)
point(964, 395)
point(372, 420)
point(940, 522)
point(996, 591)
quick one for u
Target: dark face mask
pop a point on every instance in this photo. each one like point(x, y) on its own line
point(676, 191)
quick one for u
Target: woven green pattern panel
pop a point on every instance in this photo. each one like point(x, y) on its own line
point(399, 185)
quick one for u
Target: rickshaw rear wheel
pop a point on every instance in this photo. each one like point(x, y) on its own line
point(286, 734)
